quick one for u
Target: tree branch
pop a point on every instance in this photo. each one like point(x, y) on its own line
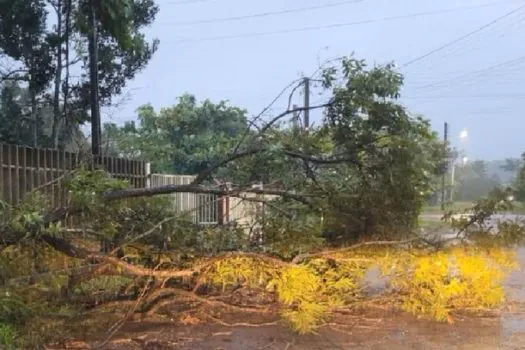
point(234, 156)
point(238, 155)
point(255, 119)
point(191, 188)
point(13, 75)
point(322, 160)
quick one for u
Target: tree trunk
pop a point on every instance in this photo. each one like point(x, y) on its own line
point(65, 108)
point(58, 78)
point(34, 118)
point(93, 73)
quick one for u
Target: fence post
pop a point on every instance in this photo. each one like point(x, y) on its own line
point(227, 206)
point(148, 174)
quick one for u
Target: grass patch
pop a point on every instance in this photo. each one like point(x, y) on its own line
point(432, 225)
point(8, 336)
point(518, 208)
point(456, 206)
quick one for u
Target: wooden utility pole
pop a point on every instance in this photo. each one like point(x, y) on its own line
point(93, 78)
point(306, 103)
point(445, 138)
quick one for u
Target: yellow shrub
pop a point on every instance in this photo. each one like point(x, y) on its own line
point(306, 292)
point(431, 284)
point(240, 270)
point(463, 278)
point(299, 290)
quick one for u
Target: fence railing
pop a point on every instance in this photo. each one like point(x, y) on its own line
point(24, 169)
point(202, 208)
point(212, 209)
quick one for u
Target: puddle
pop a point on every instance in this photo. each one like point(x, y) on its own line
point(515, 284)
point(513, 322)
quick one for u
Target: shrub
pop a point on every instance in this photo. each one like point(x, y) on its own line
point(426, 284)
point(8, 337)
point(437, 284)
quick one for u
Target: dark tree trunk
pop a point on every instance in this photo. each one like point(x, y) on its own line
point(93, 77)
point(58, 79)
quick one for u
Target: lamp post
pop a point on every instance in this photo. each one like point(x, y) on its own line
point(463, 138)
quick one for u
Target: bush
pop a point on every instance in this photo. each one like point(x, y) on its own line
point(8, 337)
point(437, 284)
point(426, 284)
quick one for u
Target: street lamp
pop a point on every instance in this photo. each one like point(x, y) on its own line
point(463, 137)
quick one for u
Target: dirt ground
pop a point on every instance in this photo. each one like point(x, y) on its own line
point(374, 330)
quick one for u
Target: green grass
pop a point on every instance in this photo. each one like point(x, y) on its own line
point(519, 208)
point(8, 336)
point(456, 206)
point(432, 224)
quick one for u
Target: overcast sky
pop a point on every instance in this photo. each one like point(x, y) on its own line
point(474, 83)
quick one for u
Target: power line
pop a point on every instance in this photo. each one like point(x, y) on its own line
point(183, 2)
point(442, 47)
point(474, 74)
point(504, 76)
point(337, 25)
point(484, 97)
point(475, 43)
point(264, 14)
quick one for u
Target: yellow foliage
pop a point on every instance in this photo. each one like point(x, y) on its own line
point(431, 284)
point(240, 270)
point(462, 278)
point(306, 292)
point(299, 289)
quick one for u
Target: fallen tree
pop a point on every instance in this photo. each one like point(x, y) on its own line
point(349, 196)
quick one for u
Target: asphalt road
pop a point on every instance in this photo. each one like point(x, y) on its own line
point(445, 232)
point(492, 220)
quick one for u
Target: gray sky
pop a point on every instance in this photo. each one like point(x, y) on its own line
point(223, 60)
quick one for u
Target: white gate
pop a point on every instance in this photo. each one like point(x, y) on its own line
point(202, 208)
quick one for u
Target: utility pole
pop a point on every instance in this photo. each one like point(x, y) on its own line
point(445, 138)
point(93, 78)
point(306, 103)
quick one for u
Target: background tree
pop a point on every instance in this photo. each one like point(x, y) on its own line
point(473, 181)
point(519, 184)
point(26, 46)
point(183, 139)
point(16, 120)
point(37, 54)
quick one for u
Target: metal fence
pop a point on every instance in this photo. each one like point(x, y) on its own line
point(202, 208)
point(24, 169)
point(209, 209)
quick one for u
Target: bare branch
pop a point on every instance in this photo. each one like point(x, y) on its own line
point(234, 156)
point(322, 160)
point(265, 109)
point(13, 75)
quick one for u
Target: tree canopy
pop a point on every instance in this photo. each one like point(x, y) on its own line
point(370, 164)
point(183, 139)
point(41, 56)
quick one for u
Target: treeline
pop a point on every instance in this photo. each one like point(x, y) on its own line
point(44, 63)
